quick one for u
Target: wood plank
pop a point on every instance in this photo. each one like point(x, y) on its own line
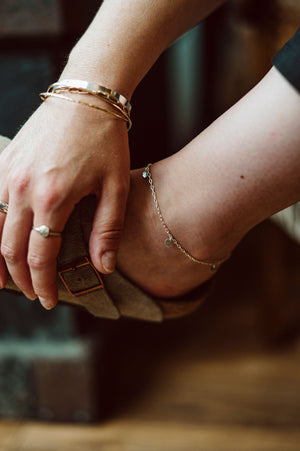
point(136, 435)
point(257, 390)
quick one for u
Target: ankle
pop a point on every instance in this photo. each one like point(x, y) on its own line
point(191, 220)
point(144, 258)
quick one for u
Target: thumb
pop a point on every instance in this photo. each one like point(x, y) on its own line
point(107, 229)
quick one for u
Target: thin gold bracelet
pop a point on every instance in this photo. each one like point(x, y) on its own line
point(118, 106)
point(92, 87)
point(45, 95)
point(100, 95)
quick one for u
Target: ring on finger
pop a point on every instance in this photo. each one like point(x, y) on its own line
point(45, 231)
point(3, 206)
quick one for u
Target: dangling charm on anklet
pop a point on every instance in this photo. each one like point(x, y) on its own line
point(145, 172)
point(169, 241)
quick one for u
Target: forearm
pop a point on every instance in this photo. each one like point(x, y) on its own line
point(126, 38)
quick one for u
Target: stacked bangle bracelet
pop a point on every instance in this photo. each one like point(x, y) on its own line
point(116, 100)
point(91, 88)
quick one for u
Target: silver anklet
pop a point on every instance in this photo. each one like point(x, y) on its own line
point(171, 239)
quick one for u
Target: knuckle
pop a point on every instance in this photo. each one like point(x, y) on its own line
point(116, 189)
point(120, 187)
point(110, 234)
point(39, 261)
point(48, 198)
point(120, 190)
point(10, 254)
point(20, 182)
point(110, 227)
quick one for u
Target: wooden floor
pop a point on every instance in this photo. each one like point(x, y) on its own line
point(137, 435)
point(241, 402)
point(215, 381)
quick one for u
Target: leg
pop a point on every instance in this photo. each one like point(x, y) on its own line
point(239, 171)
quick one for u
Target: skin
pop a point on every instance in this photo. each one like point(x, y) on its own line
point(65, 151)
point(239, 171)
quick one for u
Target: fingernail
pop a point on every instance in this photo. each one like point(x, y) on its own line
point(31, 296)
point(48, 305)
point(109, 260)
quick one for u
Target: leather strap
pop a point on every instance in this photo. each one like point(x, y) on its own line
point(80, 283)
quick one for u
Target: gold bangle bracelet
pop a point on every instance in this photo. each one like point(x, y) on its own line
point(45, 95)
point(101, 96)
point(94, 87)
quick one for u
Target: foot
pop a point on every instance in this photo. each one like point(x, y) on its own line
point(143, 256)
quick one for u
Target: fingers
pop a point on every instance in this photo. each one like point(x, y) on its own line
point(43, 250)
point(15, 233)
point(108, 226)
point(14, 247)
point(29, 256)
point(42, 255)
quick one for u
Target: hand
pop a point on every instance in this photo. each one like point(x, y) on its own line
point(63, 153)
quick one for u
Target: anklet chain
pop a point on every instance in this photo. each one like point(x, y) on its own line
point(213, 266)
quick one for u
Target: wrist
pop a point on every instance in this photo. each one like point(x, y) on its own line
point(102, 72)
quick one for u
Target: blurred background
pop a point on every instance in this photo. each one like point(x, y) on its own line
point(227, 377)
